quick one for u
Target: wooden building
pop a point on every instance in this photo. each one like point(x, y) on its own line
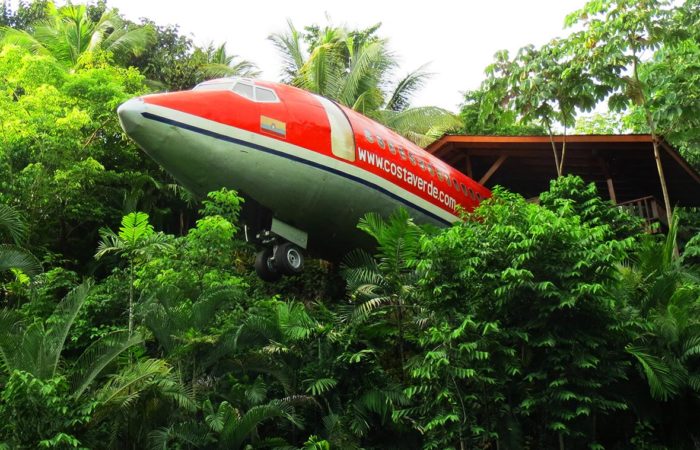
point(622, 166)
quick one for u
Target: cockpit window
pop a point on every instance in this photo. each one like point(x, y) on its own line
point(265, 95)
point(214, 86)
point(244, 89)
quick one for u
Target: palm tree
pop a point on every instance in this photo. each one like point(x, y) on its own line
point(386, 281)
point(69, 33)
point(136, 239)
point(13, 256)
point(353, 68)
point(666, 300)
point(225, 424)
point(37, 347)
point(219, 64)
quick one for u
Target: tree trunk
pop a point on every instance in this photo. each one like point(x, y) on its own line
point(563, 155)
point(554, 150)
point(655, 141)
point(662, 178)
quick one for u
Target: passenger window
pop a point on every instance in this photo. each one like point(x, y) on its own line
point(368, 136)
point(342, 137)
point(246, 90)
point(471, 194)
point(265, 95)
point(392, 149)
point(421, 163)
point(464, 189)
point(402, 152)
point(455, 183)
point(380, 141)
point(431, 169)
point(412, 158)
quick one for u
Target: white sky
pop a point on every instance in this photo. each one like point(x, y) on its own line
point(457, 38)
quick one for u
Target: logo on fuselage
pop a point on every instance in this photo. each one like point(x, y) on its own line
point(273, 126)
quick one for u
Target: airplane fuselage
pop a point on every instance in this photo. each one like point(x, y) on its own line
point(310, 162)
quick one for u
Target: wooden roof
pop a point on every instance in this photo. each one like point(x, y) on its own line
point(525, 164)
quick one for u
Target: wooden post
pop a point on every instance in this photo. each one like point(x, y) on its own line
point(611, 190)
point(608, 180)
point(469, 167)
point(494, 167)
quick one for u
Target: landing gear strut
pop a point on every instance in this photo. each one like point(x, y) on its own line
point(283, 259)
point(282, 254)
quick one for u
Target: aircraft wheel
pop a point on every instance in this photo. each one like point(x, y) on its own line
point(265, 267)
point(289, 259)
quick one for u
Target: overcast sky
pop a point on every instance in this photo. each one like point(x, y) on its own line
point(457, 38)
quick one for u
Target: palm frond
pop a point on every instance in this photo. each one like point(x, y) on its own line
point(236, 432)
point(216, 419)
point(98, 356)
point(401, 96)
point(366, 68)
point(62, 320)
point(322, 72)
point(209, 302)
point(294, 322)
point(23, 39)
point(421, 125)
point(664, 383)
point(289, 46)
point(320, 385)
point(364, 310)
point(125, 388)
point(360, 268)
point(109, 243)
point(11, 222)
point(13, 257)
point(191, 433)
point(135, 227)
point(9, 322)
point(244, 69)
point(691, 348)
point(124, 42)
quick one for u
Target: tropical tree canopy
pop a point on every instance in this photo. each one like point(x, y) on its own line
point(354, 68)
point(68, 33)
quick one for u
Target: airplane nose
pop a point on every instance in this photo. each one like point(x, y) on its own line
point(130, 114)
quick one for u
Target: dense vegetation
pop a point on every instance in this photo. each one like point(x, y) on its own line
point(130, 316)
point(639, 58)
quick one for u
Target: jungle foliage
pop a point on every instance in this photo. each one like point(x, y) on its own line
point(638, 58)
point(130, 316)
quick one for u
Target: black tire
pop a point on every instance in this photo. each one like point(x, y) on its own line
point(289, 259)
point(264, 266)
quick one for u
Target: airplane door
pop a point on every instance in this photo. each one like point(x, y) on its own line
point(342, 137)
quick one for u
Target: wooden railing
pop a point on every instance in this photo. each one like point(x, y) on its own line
point(649, 210)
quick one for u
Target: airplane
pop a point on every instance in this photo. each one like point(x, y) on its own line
point(307, 167)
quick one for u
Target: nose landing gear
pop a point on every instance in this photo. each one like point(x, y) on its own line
point(282, 253)
point(272, 263)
